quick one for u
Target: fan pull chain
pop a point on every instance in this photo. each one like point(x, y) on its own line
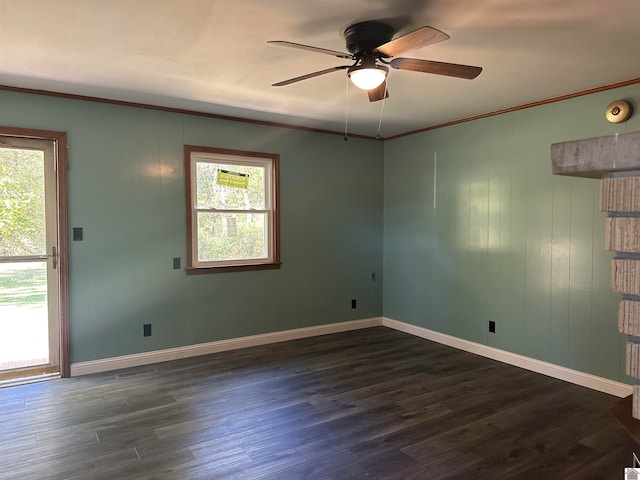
point(384, 100)
point(346, 110)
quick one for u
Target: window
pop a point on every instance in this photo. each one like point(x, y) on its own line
point(232, 210)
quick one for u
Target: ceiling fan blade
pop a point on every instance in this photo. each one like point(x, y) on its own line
point(378, 93)
point(439, 68)
point(308, 75)
point(413, 40)
point(309, 48)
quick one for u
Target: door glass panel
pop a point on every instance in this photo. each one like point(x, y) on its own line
point(24, 339)
point(28, 279)
point(22, 207)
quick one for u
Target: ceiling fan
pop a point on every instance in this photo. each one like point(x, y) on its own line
point(371, 45)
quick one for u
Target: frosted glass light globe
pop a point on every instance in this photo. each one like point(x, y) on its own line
point(367, 78)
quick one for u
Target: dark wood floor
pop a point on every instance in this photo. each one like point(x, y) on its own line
point(374, 404)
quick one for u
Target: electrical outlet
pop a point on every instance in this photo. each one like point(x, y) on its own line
point(492, 326)
point(373, 277)
point(353, 303)
point(146, 329)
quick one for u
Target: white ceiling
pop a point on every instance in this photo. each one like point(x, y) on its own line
point(211, 55)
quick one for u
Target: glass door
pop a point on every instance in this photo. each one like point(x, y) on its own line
point(29, 279)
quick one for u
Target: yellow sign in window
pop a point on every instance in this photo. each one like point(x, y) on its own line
point(232, 179)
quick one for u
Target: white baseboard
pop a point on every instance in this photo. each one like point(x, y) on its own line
point(146, 358)
point(573, 376)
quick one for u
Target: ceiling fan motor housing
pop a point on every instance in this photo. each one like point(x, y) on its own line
point(364, 37)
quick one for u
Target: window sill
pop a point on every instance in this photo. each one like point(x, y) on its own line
point(233, 268)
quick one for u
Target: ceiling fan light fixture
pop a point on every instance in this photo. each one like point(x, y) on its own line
point(367, 77)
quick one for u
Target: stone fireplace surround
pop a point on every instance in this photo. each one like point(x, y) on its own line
point(615, 160)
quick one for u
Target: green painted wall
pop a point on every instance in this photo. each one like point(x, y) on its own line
point(506, 241)
point(126, 189)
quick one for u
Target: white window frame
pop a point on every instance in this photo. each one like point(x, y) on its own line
point(270, 162)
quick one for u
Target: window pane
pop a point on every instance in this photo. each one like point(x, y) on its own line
point(231, 236)
point(229, 187)
point(232, 208)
